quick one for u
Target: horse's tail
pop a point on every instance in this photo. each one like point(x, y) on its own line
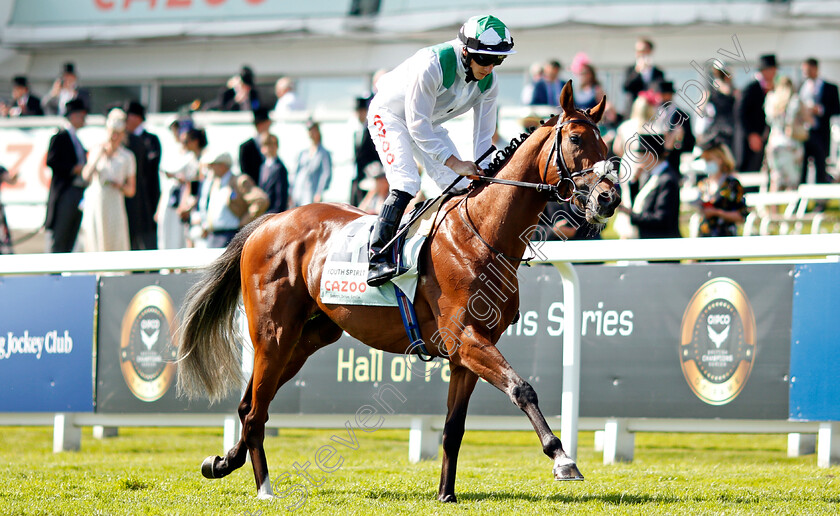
point(209, 352)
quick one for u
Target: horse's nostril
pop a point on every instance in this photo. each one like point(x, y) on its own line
point(605, 198)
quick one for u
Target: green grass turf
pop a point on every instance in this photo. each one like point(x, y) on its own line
point(156, 471)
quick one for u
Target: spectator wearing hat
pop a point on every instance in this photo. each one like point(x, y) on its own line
point(274, 178)
point(227, 201)
point(111, 175)
point(147, 149)
point(821, 99)
point(655, 188)
point(66, 157)
point(675, 124)
point(313, 171)
point(287, 99)
point(751, 116)
point(65, 89)
point(364, 151)
point(25, 104)
point(643, 74)
point(240, 93)
point(250, 157)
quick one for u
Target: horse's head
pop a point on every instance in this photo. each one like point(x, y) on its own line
point(578, 162)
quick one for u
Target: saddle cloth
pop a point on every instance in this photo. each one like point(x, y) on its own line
point(344, 280)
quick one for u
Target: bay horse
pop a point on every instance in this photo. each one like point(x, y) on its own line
point(276, 263)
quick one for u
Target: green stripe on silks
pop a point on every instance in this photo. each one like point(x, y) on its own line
point(448, 62)
point(448, 65)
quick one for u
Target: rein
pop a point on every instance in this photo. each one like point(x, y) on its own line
point(604, 168)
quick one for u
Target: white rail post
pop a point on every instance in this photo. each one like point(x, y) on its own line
point(103, 432)
point(570, 404)
point(66, 435)
point(828, 446)
point(423, 441)
point(233, 429)
point(618, 442)
point(801, 444)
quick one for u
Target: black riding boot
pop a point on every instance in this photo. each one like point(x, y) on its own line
point(382, 267)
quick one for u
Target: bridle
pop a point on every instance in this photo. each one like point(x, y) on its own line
point(606, 169)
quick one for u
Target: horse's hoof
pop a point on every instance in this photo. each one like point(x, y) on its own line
point(566, 469)
point(450, 498)
point(207, 467)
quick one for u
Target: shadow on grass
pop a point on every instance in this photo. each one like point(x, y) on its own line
point(478, 496)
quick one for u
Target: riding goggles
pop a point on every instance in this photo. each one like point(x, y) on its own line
point(487, 59)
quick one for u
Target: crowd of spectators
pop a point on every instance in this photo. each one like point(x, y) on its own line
point(772, 124)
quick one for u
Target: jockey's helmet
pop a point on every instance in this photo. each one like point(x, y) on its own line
point(486, 35)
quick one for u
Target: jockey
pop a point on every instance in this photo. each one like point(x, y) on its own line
point(434, 85)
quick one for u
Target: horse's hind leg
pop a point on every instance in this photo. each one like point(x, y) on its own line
point(218, 467)
point(273, 367)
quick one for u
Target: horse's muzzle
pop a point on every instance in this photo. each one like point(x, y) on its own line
point(602, 202)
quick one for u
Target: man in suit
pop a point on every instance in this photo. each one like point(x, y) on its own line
point(148, 147)
point(274, 177)
point(751, 117)
point(250, 156)
point(821, 98)
point(547, 89)
point(679, 138)
point(65, 89)
point(25, 104)
point(643, 75)
point(66, 157)
point(655, 188)
point(364, 150)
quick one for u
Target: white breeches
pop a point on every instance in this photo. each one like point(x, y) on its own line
point(398, 152)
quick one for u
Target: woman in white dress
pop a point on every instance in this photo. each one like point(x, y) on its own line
point(110, 172)
point(789, 125)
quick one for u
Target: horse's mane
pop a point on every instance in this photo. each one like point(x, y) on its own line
point(503, 156)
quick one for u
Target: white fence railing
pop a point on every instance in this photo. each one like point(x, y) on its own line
point(424, 437)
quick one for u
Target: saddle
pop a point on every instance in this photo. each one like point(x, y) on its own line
point(344, 280)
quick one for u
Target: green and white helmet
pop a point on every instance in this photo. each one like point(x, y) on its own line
point(486, 35)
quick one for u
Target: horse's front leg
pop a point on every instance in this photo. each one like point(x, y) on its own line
point(481, 356)
point(461, 384)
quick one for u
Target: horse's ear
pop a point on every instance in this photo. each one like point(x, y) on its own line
point(595, 113)
point(567, 99)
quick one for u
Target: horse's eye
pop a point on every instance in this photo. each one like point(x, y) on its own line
point(575, 139)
